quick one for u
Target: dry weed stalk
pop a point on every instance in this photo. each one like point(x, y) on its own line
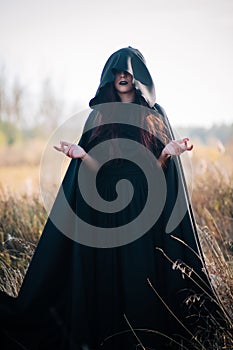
point(216, 334)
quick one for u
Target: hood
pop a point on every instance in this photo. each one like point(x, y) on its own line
point(130, 60)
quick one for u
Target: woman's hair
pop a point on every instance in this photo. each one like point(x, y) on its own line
point(149, 118)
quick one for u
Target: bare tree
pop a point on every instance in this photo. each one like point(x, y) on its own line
point(17, 104)
point(3, 97)
point(51, 108)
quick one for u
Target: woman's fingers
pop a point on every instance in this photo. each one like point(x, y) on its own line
point(188, 148)
point(70, 149)
point(184, 144)
point(65, 146)
point(57, 148)
point(177, 147)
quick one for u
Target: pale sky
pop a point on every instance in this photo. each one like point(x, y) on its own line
point(187, 45)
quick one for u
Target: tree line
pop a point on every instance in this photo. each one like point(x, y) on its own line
point(23, 117)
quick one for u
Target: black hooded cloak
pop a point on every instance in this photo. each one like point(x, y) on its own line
point(88, 296)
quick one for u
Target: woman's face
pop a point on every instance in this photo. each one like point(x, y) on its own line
point(123, 82)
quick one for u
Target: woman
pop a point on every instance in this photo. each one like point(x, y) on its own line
point(107, 272)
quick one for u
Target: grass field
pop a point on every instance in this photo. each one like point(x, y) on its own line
point(210, 178)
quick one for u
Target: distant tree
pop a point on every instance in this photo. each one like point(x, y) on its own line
point(51, 108)
point(17, 103)
point(9, 133)
point(223, 133)
point(3, 97)
point(21, 114)
point(11, 100)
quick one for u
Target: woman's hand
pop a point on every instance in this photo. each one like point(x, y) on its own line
point(177, 147)
point(174, 148)
point(71, 150)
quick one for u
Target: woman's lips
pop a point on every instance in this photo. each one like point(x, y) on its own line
point(123, 82)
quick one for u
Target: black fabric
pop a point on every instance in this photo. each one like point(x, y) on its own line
point(75, 296)
point(132, 61)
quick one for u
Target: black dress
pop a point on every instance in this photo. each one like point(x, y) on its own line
point(91, 296)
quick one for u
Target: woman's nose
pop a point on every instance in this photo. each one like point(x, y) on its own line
point(122, 74)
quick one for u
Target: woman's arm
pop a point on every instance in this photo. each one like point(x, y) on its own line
point(174, 148)
point(75, 151)
point(163, 158)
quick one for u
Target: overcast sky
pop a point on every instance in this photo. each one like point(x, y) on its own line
point(187, 45)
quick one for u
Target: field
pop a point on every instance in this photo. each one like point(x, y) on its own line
point(209, 174)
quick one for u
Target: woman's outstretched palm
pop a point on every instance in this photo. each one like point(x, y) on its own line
point(71, 150)
point(177, 147)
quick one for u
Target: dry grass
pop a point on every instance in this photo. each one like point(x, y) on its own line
point(23, 217)
point(212, 199)
point(24, 153)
